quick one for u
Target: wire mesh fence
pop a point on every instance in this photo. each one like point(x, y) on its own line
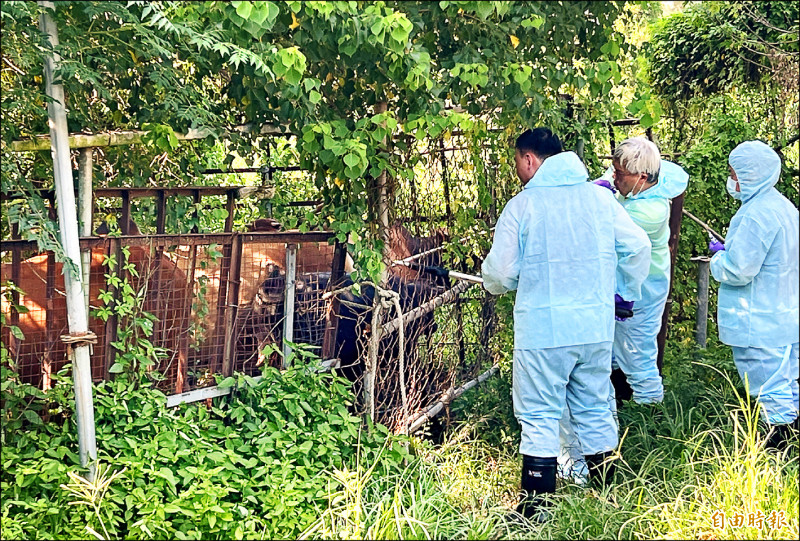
point(183, 282)
point(219, 301)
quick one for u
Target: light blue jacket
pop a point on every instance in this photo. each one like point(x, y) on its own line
point(552, 244)
point(758, 270)
point(650, 211)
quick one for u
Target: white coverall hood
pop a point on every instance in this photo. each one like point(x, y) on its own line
point(757, 167)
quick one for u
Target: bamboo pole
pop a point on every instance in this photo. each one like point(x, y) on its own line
point(68, 228)
point(288, 304)
point(704, 225)
point(450, 395)
point(85, 213)
point(449, 296)
point(129, 137)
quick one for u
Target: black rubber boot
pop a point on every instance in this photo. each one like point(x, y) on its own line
point(538, 479)
point(601, 470)
point(622, 389)
point(781, 436)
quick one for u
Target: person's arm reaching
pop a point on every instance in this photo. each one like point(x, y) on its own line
point(500, 269)
point(743, 255)
point(633, 256)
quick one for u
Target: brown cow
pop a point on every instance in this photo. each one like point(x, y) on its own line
point(42, 353)
point(262, 260)
point(259, 321)
point(403, 244)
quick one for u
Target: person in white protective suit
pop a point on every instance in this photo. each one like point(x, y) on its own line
point(645, 185)
point(566, 246)
point(757, 267)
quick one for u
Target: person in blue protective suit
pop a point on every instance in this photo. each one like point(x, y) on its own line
point(644, 184)
point(552, 245)
point(757, 267)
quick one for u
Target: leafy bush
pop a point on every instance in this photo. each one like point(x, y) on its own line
point(253, 466)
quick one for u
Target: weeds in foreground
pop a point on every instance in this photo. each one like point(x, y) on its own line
point(693, 467)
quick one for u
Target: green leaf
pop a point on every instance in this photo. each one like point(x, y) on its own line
point(305, 447)
point(32, 417)
point(226, 383)
point(243, 10)
point(272, 12)
point(117, 368)
point(259, 13)
point(484, 9)
point(293, 76)
point(351, 159)
point(399, 34)
point(535, 21)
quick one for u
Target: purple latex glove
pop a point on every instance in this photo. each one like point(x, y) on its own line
point(605, 184)
point(622, 309)
point(714, 245)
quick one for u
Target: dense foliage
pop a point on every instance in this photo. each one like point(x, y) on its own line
point(357, 83)
point(359, 89)
point(254, 465)
point(714, 46)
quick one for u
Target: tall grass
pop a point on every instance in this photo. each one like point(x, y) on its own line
point(682, 464)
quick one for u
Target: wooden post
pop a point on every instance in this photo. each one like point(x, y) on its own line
point(288, 304)
point(85, 201)
point(161, 212)
point(183, 361)
point(675, 215)
point(612, 143)
point(580, 144)
point(125, 223)
point(16, 264)
point(448, 209)
point(159, 329)
point(232, 306)
point(68, 228)
point(114, 250)
point(50, 332)
point(371, 362)
point(382, 207)
point(332, 320)
point(445, 184)
point(218, 340)
point(702, 299)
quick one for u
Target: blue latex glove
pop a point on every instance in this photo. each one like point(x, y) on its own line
point(714, 245)
point(605, 184)
point(622, 309)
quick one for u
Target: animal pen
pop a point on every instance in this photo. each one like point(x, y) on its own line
point(231, 301)
point(225, 301)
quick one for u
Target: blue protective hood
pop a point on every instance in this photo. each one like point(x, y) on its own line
point(672, 181)
point(562, 169)
point(757, 167)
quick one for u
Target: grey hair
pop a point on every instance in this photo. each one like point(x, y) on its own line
point(639, 155)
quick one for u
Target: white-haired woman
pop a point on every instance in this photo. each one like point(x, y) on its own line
point(645, 185)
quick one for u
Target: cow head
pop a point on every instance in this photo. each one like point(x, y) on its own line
point(267, 225)
point(104, 228)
